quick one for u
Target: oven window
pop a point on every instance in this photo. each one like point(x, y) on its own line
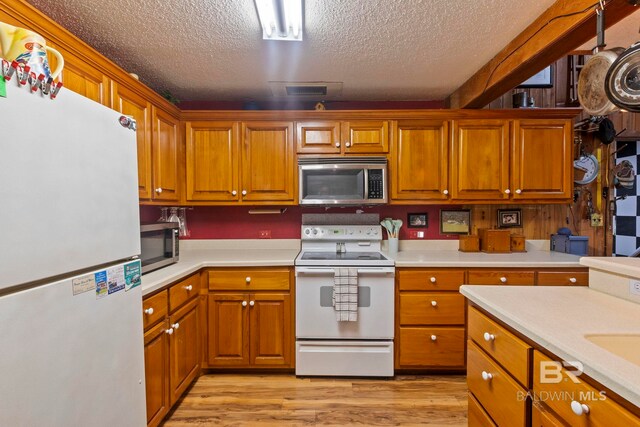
point(155, 246)
point(333, 184)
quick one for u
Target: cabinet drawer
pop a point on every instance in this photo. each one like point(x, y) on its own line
point(419, 348)
point(541, 417)
point(504, 277)
point(243, 279)
point(500, 395)
point(602, 410)
point(432, 308)
point(430, 280)
point(154, 308)
point(183, 291)
point(477, 416)
point(507, 349)
point(563, 278)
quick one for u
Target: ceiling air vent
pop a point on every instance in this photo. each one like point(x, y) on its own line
point(315, 90)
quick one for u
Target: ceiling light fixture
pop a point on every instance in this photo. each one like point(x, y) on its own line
point(280, 19)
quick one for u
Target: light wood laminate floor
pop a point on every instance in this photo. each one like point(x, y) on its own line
point(284, 400)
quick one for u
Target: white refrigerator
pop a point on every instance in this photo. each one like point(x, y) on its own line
point(71, 340)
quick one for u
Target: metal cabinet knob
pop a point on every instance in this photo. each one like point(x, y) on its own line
point(579, 408)
point(244, 303)
point(148, 311)
point(188, 288)
point(434, 303)
point(489, 337)
point(503, 279)
point(252, 303)
point(234, 192)
point(487, 376)
point(244, 192)
point(175, 325)
point(433, 280)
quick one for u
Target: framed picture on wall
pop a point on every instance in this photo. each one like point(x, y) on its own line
point(418, 220)
point(509, 218)
point(455, 222)
point(542, 79)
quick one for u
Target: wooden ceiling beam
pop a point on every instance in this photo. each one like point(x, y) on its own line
point(540, 44)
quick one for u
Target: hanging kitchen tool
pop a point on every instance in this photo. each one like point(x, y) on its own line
point(623, 174)
point(587, 163)
point(591, 83)
point(622, 82)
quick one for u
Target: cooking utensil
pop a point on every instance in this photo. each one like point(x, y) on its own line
point(591, 83)
point(622, 82)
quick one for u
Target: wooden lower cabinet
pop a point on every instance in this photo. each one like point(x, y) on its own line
point(253, 328)
point(431, 346)
point(172, 341)
point(156, 366)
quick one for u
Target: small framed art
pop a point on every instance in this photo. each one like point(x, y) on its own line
point(509, 218)
point(455, 222)
point(418, 220)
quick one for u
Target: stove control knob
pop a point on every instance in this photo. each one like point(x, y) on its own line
point(375, 232)
point(307, 231)
point(315, 231)
point(368, 232)
point(350, 231)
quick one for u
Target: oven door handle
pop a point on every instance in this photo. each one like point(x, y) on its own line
point(302, 270)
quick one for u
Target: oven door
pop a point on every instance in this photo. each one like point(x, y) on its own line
point(316, 317)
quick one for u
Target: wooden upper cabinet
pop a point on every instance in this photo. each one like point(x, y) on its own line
point(268, 169)
point(165, 151)
point(365, 136)
point(335, 137)
point(85, 80)
point(419, 160)
point(480, 160)
point(212, 166)
point(541, 162)
point(318, 137)
point(270, 320)
point(131, 104)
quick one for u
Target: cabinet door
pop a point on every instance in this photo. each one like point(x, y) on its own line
point(420, 159)
point(185, 348)
point(228, 329)
point(365, 136)
point(156, 368)
point(270, 329)
point(542, 166)
point(165, 156)
point(85, 80)
point(480, 160)
point(212, 161)
point(268, 170)
point(131, 104)
point(318, 137)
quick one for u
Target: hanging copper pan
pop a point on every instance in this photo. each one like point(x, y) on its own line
point(622, 82)
point(591, 83)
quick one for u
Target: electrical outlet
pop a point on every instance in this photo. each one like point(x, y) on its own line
point(415, 234)
point(264, 234)
point(596, 220)
point(634, 287)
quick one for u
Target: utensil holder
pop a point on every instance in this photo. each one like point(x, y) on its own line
point(392, 247)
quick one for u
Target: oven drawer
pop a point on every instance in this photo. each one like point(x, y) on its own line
point(249, 279)
point(432, 308)
point(345, 358)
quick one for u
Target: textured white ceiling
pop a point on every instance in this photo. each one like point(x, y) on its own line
point(380, 49)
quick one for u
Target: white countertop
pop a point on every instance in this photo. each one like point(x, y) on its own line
point(557, 318)
point(618, 265)
point(455, 258)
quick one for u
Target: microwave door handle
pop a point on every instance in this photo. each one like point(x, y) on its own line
point(365, 196)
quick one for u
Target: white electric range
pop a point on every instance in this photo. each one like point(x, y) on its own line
point(325, 345)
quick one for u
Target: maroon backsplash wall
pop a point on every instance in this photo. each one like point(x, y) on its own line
point(235, 222)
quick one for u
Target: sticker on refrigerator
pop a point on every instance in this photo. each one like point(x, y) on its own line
point(101, 284)
point(83, 284)
point(115, 279)
point(132, 277)
point(3, 88)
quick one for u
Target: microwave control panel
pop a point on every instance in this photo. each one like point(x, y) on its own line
point(376, 187)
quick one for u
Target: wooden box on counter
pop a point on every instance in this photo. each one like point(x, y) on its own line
point(494, 240)
point(469, 243)
point(517, 243)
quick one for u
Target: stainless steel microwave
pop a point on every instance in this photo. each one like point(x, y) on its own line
point(159, 244)
point(342, 180)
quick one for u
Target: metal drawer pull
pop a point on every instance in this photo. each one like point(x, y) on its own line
point(434, 303)
point(579, 408)
point(573, 279)
point(188, 288)
point(487, 376)
point(247, 279)
point(433, 280)
point(503, 279)
point(148, 311)
point(489, 337)
point(433, 338)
